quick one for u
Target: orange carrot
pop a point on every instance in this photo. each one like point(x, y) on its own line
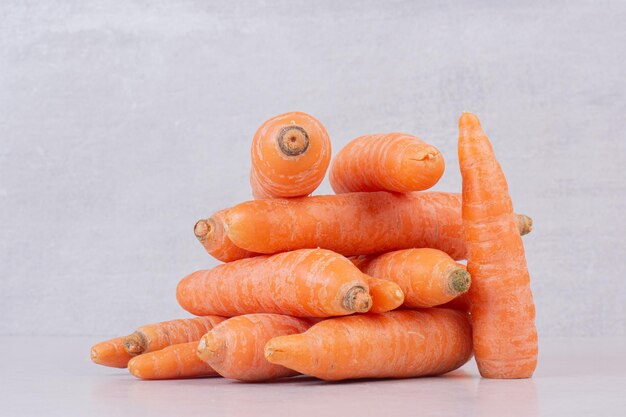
point(234, 348)
point(304, 283)
point(386, 295)
point(503, 313)
point(211, 234)
point(350, 224)
point(460, 303)
point(157, 336)
point(290, 156)
point(111, 353)
point(398, 344)
point(172, 362)
point(387, 162)
point(427, 277)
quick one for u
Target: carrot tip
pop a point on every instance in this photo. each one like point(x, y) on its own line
point(135, 343)
point(459, 281)
point(202, 228)
point(358, 300)
point(209, 347)
point(525, 224)
point(293, 140)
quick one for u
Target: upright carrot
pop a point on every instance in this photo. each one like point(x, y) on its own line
point(304, 283)
point(212, 235)
point(387, 162)
point(290, 156)
point(234, 348)
point(398, 344)
point(386, 295)
point(351, 224)
point(503, 313)
point(111, 353)
point(157, 336)
point(427, 277)
point(172, 362)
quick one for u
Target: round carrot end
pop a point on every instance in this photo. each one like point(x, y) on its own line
point(209, 347)
point(357, 300)
point(459, 281)
point(293, 140)
point(203, 228)
point(135, 343)
point(525, 224)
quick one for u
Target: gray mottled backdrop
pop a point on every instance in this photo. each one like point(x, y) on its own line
point(121, 123)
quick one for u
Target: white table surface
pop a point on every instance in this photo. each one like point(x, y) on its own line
point(49, 376)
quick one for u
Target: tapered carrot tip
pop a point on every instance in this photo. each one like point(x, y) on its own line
point(293, 140)
point(209, 348)
point(281, 348)
point(135, 343)
point(427, 154)
point(203, 228)
point(459, 281)
point(524, 224)
point(357, 300)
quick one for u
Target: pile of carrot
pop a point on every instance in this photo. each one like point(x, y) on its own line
point(365, 283)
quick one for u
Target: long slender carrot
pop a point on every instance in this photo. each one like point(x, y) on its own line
point(212, 235)
point(427, 277)
point(157, 336)
point(171, 362)
point(386, 295)
point(111, 353)
point(304, 283)
point(351, 224)
point(290, 156)
point(234, 348)
point(502, 308)
point(398, 344)
point(386, 162)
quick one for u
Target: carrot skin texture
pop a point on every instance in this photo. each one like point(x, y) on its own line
point(173, 362)
point(303, 283)
point(350, 224)
point(397, 344)
point(386, 162)
point(502, 308)
point(111, 353)
point(386, 295)
point(290, 155)
point(212, 236)
point(234, 348)
point(153, 337)
point(428, 277)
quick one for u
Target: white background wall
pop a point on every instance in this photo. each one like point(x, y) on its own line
point(121, 123)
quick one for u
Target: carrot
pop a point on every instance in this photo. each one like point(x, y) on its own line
point(305, 283)
point(398, 344)
point(234, 348)
point(460, 303)
point(427, 277)
point(290, 156)
point(212, 235)
point(110, 353)
point(386, 162)
point(172, 362)
point(350, 224)
point(503, 313)
point(386, 295)
point(157, 336)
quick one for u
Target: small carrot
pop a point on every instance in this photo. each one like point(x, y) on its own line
point(304, 283)
point(157, 336)
point(111, 353)
point(172, 362)
point(398, 344)
point(211, 234)
point(351, 224)
point(386, 162)
point(290, 156)
point(502, 308)
point(234, 348)
point(386, 295)
point(427, 277)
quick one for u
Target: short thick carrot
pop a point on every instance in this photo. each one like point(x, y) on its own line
point(502, 308)
point(386, 295)
point(111, 353)
point(386, 162)
point(290, 156)
point(398, 344)
point(157, 336)
point(351, 224)
point(304, 283)
point(427, 277)
point(234, 348)
point(172, 362)
point(212, 235)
